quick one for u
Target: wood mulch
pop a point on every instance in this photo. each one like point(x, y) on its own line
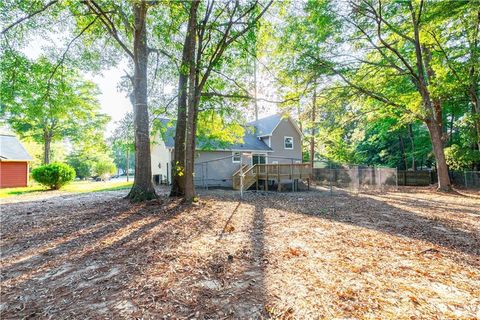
point(411, 254)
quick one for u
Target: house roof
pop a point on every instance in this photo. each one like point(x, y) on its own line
point(12, 149)
point(266, 126)
point(250, 140)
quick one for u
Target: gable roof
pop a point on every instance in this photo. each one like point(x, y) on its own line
point(12, 149)
point(266, 126)
point(250, 140)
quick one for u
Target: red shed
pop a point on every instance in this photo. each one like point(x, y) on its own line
point(14, 161)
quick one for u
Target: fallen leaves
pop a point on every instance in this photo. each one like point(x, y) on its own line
point(276, 255)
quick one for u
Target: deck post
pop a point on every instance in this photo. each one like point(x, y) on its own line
point(278, 178)
point(206, 173)
point(256, 176)
point(266, 184)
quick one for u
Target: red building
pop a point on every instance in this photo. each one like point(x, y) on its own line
point(14, 161)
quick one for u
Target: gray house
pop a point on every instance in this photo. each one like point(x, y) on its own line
point(275, 139)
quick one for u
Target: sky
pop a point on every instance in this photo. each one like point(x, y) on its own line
point(113, 102)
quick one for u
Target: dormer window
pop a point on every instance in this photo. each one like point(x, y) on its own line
point(288, 143)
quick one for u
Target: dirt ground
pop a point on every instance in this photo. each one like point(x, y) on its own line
point(411, 254)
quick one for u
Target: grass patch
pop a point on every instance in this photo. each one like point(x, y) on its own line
point(74, 187)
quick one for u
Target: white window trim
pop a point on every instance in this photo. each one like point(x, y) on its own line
point(259, 154)
point(233, 156)
point(285, 138)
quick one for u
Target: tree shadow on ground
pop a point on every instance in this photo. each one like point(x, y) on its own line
point(381, 216)
point(137, 261)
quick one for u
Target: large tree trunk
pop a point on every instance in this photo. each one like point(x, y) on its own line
point(437, 143)
point(433, 106)
point(178, 165)
point(46, 147)
point(142, 188)
point(192, 111)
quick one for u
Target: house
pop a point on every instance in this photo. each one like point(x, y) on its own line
point(275, 139)
point(14, 161)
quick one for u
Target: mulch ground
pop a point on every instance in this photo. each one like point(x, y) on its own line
point(411, 254)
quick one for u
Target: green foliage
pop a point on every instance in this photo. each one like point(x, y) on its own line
point(92, 161)
point(105, 168)
point(83, 166)
point(366, 94)
point(48, 104)
point(54, 175)
point(215, 132)
point(460, 158)
point(122, 143)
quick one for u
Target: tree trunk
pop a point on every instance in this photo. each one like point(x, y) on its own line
point(128, 165)
point(402, 150)
point(142, 188)
point(178, 164)
point(432, 105)
point(412, 145)
point(46, 148)
point(313, 120)
point(450, 135)
point(437, 143)
point(255, 86)
point(476, 111)
point(192, 110)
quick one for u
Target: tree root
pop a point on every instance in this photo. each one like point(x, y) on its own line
point(138, 194)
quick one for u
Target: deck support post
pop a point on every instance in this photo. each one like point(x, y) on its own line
point(206, 173)
point(256, 176)
point(266, 182)
point(278, 178)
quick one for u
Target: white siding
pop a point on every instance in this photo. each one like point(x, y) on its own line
point(160, 156)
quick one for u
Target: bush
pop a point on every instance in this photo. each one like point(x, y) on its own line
point(54, 175)
point(459, 158)
point(105, 169)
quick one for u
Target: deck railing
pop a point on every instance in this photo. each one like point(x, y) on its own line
point(281, 171)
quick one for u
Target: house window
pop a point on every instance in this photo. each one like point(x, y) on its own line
point(288, 142)
point(236, 157)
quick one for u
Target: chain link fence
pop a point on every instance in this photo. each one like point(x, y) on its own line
point(355, 177)
point(466, 179)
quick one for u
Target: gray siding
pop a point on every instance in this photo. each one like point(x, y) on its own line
point(219, 171)
point(285, 128)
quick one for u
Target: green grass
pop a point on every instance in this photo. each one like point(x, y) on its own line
point(74, 187)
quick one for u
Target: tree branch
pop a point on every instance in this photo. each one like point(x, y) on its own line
point(108, 24)
point(45, 7)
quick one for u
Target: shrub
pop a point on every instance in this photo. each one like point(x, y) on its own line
point(459, 158)
point(54, 175)
point(105, 169)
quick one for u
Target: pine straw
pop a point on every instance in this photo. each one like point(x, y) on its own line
point(410, 254)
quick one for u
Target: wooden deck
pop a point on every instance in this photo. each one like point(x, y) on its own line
point(270, 172)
